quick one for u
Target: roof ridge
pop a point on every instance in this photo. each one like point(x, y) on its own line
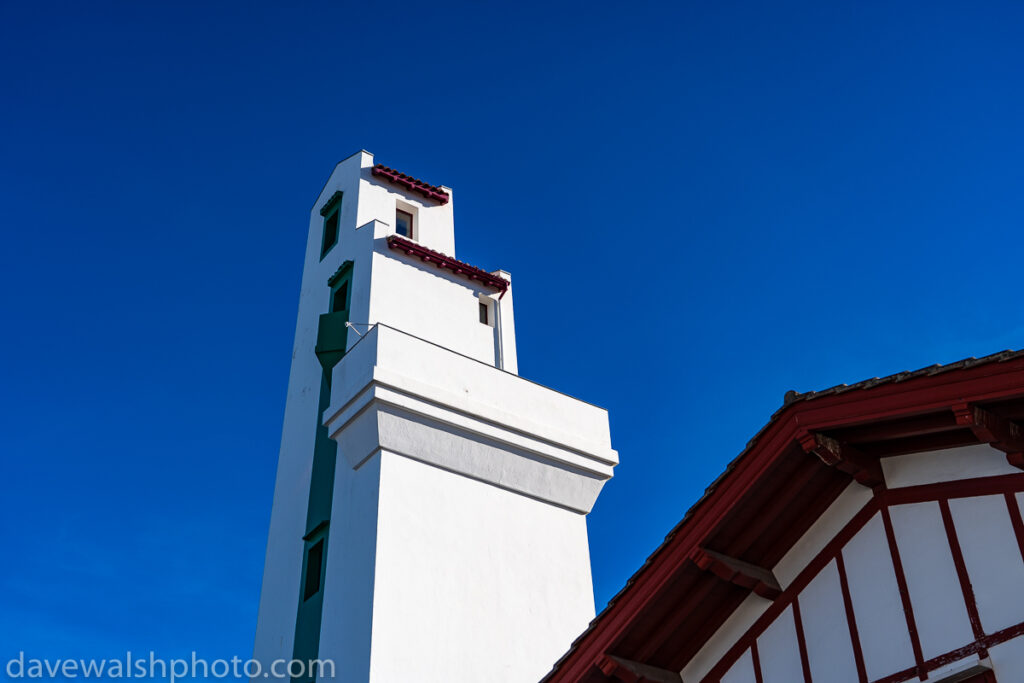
point(792, 395)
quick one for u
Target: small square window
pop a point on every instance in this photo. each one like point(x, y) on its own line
point(485, 313)
point(314, 569)
point(403, 223)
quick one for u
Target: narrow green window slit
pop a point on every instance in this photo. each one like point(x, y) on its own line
point(330, 232)
point(314, 567)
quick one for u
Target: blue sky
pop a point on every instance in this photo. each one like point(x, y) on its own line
point(703, 205)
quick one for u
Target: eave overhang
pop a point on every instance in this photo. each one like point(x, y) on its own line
point(789, 473)
point(440, 260)
point(428, 191)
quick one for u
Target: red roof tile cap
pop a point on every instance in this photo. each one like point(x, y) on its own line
point(414, 184)
point(444, 261)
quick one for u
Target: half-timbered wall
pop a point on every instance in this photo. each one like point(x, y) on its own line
point(922, 579)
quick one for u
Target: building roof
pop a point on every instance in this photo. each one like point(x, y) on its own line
point(394, 177)
point(771, 493)
point(905, 375)
point(412, 248)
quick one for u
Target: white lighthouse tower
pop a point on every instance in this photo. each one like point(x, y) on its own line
point(429, 516)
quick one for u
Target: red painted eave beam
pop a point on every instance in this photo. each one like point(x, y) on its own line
point(1001, 434)
point(846, 458)
point(636, 672)
point(743, 574)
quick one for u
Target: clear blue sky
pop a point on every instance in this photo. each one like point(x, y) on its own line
point(703, 205)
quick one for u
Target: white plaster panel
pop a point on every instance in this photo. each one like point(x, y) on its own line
point(951, 464)
point(935, 593)
point(738, 623)
point(779, 652)
point(430, 303)
point(881, 624)
point(826, 631)
point(348, 586)
point(742, 671)
point(993, 559)
point(473, 583)
point(1008, 660)
point(825, 528)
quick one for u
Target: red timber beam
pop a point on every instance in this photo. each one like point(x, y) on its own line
point(753, 578)
point(998, 432)
point(844, 457)
point(629, 671)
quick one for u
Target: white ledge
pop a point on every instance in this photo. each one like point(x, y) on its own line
point(399, 393)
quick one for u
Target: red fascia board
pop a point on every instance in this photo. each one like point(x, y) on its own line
point(976, 384)
point(412, 184)
point(444, 261)
point(982, 384)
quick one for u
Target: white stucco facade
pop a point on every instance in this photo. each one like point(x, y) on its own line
point(456, 540)
point(895, 546)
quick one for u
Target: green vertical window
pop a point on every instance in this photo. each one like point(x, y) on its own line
point(331, 212)
point(332, 333)
point(339, 300)
point(314, 569)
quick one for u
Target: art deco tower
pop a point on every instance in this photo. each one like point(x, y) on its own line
point(429, 516)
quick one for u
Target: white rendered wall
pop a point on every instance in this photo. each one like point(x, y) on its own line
point(778, 651)
point(345, 634)
point(877, 607)
point(932, 581)
point(824, 529)
point(742, 618)
point(742, 671)
point(951, 464)
point(829, 649)
point(993, 559)
point(431, 303)
point(473, 582)
point(1008, 660)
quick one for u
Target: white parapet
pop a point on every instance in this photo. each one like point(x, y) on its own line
point(408, 396)
point(458, 546)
